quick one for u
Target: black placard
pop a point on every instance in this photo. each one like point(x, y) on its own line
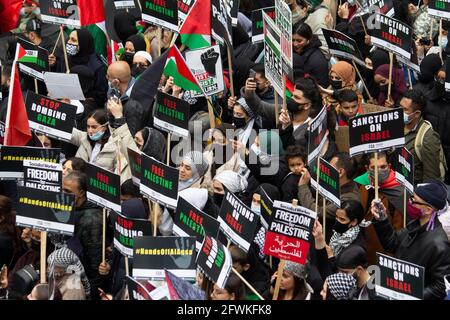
point(403, 163)
point(234, 9)
point(328, 181)
point(257, 23)
point(190, 221)
point(221, 22)
point(51, 117)
point(135, 166)
point(62, 12)
point(42, 175)
point(45, 210)
point(237, 221)
point(159, 182)
point(11, 160)
point(2, 132)
point(136, 290)
point(399, 280)
point(163, 13)
point(385, 7)
point(184, 6)
point(171, 114)
point(439, 9)
point(266, 208)
point(126, 229)
point(376, 131)
point(390, 34)
point(317, 135)
point(128, 4)
point(35, 62)
point(154, 254)
point(215, 261)
point(343, 46)
point(103, 187)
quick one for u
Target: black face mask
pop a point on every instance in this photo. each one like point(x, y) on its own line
point(340, 228)
point(128, 58)
point(218, 198)
point(384, 88)
point(259, 90)
point(336, 84)
point(292, 106)
point(5, 92)
point(35, 245)
point(239, 122)
point(136, 71)
point(439, 87)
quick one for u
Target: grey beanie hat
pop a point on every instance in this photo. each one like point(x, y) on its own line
point(297, 270)
point(251, 113)
point(198, 161)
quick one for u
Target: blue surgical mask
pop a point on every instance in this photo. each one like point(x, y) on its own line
point(443, 42)
point(406, 119)
point(97, 136)
point(256, 209)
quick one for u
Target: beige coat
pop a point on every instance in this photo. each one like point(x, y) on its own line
point(109, 157)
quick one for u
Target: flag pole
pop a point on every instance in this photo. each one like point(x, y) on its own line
point(362, 80)
point(230, 67)
point(104, 236)
point(247, 284)
point(324, 222)
point(159, 40)
point(391, 65)
point(10, 97)
point(212, 120)
point(43, 270)
point(317, 184)
point(64, 49)
point(276, 108)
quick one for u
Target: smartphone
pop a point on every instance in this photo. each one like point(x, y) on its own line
point(252, 74)
point(114, 94)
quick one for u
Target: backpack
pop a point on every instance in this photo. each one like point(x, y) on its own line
point(418, 144)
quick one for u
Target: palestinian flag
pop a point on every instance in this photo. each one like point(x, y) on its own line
point(27, 56)
point(182, 76)
point(92, 16)
point(289, 88)
point(195, 33)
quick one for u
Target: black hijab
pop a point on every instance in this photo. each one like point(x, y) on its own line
point(86, 47)
point(138, 42)
point(124, 25)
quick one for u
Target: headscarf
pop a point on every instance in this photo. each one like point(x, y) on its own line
point(195, 196)
point(297, 270)
point(85, 45)
point(271, 190)
point(134, 209)
point(155, 145)
point(124, 25)
point(67, 259)
point(138, 42)
point(429, 66)
point(341, 285)
point(145, 55)
point(199, 166)
point(398, 86)
point(378, 58)
point(345, 71)
point(232, 181)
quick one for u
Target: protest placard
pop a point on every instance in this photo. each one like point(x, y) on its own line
point(162, 13)
point(283, 20)
point(103, 187)
point(35, 61)
point(342, 46)
point(128, 4)
point(385, 7)
point(184, 6)
point(272, 54)
point(62, 12)
point(439, 9)
point(266, 208)
point(135, 166)
point(257, 23)
point(63, 86)
point(221, 22)
point(328, 181)
point(136, 290)
point(42, 175)
point(403, 164)
point(317, 135)
point(171, 114)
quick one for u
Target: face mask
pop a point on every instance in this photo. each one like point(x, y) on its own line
point(292, 106)
point(406, 118)
point(351, 2)
point(5, 91)
point(443, 43)
point(239, 122)
point(136, 71)
point(333, 61)
point(128, 57)
point(382, 175)
point(439, 86)
point(340, 227)
point(336, 84)
point(71, 49)
point(384, 88)
point(256, 209)
point(413, 212)
point(255, 149)
point(97, 136)
point(218, 198)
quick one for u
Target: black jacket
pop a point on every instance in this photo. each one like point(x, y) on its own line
point(136, 115)
point(429, 249)
point(313, 62)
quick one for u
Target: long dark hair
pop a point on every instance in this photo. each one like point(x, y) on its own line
point(101, 117)
point(236, 286)
point(300, 289)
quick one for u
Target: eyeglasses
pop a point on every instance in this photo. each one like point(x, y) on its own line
point(417, 202)
point(141, 65)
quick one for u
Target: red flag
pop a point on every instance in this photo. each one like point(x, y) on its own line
point(91, 11)
point(9, 14)
point(17, 131)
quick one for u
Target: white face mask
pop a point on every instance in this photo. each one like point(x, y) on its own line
point(256, 209)
point(443, 42)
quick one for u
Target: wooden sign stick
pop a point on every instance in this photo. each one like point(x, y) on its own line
point(247, 284)
point(56, 44)
point(230, 67)
point(391, 65)
point(104, 236)
point(43, 267)
point(159, 40)
point(276, 108)
point(376, 175)
point(64, 49)
point(324, 216)
point(362, 80)
point(127, 268)
point(404, 207)
point(317, 186)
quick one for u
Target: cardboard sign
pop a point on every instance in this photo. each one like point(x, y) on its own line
point(328, 181)
point(11, 160)
point(272, 54)
point(221, 23)
point(35, 62)
point(289, 234)
point(103, 187)
point(50, 117)
point(343, 46)
point(154, 254)
point(342, 139)
point(126, 229)
point(439, 9)
point(135, 166)
point(2, 132)
point(206, 66)
point(129, 4)
point(237, 221)
point(400, 280)
point(215, 261)
point(403, 162)
point(171, 114)
point(392, 35)
point(42, 175)
point(45, 210)
point(192, 222)
point(136, 290)
point(184, 6)
point(162, 13)
point(180, 289)
point(385, 7)
point(62, 12)
point(266, 209)
point(257, 23)
point(283, 20)
point(375, 132)
point(63, 85)
point(159, 182)
point(372, 108)
point(317, 135)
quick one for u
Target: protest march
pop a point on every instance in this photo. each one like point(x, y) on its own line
point(232, 150)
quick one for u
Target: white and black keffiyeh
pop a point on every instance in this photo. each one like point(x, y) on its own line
point(260, 239)
point(341, 285)
point(338, 241)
